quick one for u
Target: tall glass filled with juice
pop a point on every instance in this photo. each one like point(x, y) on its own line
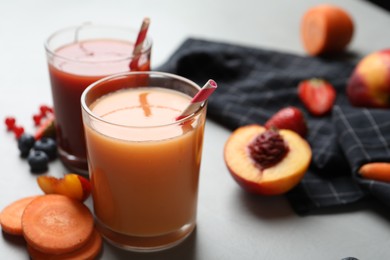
point(77, 57)
point(144, 163)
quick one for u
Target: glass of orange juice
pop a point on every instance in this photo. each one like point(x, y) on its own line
point(143, 163)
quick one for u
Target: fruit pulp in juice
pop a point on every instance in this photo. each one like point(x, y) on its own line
point(72, 69)
point(145, 181)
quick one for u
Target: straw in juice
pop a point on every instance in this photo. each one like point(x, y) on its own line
point(138, 44)
point(199, 98)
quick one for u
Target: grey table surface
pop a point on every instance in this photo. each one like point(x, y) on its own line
point(231, 224)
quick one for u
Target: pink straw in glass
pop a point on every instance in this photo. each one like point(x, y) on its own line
point(199, 98)
point(138, 44)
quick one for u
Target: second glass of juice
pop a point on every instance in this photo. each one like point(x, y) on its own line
point(144, 164)
point(77, 57)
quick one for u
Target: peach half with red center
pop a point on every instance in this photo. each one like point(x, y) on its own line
point(266, 163)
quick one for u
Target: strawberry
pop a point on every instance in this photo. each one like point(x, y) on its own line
point(318, 96)
point(290, 118)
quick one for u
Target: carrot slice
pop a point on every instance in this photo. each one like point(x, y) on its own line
point(326, 29)
point(89, 251)
point(379, 171)
point(56, 224)
point(11, 216)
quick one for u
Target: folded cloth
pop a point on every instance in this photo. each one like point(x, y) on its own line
point(254, 83)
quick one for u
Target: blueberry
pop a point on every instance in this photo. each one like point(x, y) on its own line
point(38, 161)
point(25, 143)
point(48, 146)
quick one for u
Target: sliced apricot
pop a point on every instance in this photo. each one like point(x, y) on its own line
point(56, 224)
point(276, 179)
point(11, 216)
point(71, 185)
point(89, 251)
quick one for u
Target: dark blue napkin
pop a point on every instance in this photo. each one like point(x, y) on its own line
point(254, 83)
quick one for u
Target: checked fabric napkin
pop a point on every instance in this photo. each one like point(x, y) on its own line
point(254, 83)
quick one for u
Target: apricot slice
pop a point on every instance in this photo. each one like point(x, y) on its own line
point(72, 185)
point(274, 180)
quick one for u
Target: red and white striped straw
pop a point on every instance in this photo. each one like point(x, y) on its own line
point(203, 94)
point(138, 43)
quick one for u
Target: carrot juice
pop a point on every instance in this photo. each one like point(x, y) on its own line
point(144, 165)
point(77, 57)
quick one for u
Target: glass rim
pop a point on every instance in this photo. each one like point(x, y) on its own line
point(146, 47)
point(86, 109)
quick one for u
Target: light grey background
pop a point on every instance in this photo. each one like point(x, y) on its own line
point(231, 224)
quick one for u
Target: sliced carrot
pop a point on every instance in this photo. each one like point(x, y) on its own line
point(379, 171)
point(56, 224)
point(326, 29)
point(11, 216)
point(89, 251)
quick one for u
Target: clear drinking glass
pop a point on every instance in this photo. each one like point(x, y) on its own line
point(143, 164)
point(78, 56)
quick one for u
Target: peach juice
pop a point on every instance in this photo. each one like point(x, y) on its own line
point(144, 165)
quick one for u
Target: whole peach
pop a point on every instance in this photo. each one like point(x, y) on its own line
point(369, 84)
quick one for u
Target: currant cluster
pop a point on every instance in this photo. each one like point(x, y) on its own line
point(44, 111)
point(18, 130)
point(40, 148)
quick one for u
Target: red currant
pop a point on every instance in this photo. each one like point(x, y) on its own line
point(18, 131)
point(44, 109)
point(10, 123)
point(37, 119)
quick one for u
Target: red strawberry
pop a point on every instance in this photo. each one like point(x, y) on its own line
point(289, 118)
point(317, 95)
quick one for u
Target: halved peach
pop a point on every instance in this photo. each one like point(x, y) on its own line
point(274, 180)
